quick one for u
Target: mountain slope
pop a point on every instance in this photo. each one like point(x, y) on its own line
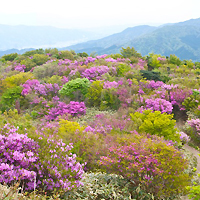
point(182, 39)
point(115, 39)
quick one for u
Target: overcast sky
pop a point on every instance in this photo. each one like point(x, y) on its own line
point(95, 13)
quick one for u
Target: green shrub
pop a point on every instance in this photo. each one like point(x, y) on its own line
point(16, 80)
point(10, 57)
point(75, 89)
point(33, 52)
point(94, 93)
point(109, 99)
point(156, 123)
point(129, 52)
point(107, 186)
point(40, 59)
point(194, 192)
point(9, 97)
point(122, 69)
point(193, 101)
point(54, 79)
point(47, 70)
point(174, 60)
point(65, 55)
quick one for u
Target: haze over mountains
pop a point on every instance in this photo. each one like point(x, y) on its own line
point(181, 39)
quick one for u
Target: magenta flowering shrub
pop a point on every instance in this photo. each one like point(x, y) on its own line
point(34, 86)
point(46, 164)
point(73, 108)
point(159, 104)
point(178, 96)
point(184, 137)
point(154, 84)
point(17, 154)
point(95, 73)
point(108, 84)
point(149, 161)
point(20, 67)
point(195, 124)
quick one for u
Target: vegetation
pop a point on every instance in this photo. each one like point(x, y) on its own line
point(74, 126)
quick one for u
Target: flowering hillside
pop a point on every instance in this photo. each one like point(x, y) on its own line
point(74, 126)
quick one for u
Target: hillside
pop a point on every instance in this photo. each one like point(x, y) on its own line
point(182, 39)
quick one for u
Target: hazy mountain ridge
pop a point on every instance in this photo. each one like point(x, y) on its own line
point(182, 39)
point(21, 36)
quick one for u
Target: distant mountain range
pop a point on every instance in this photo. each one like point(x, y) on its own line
point(21, 36)
point(181, 39)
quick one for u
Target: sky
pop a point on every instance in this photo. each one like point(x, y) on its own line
point(80, 14)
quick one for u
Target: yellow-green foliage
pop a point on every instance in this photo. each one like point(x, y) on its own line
point(94, 93)
point(87, 146)
point(156, 123)
point(40, 59)
point(23, 122)
point(16, 80)
point(53, 79)
point(189, 82)
point(122, 69)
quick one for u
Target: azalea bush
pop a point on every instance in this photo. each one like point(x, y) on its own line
point(42, 163)
point(149, 161)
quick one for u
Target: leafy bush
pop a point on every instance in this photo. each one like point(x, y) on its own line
point(48, 70)
point(10, 57)
point(194, 192)
point(16, 80)
point(75, 89)
point(65, 55)
point(129, 52)
point(40, 59)
point(9, 97)
point(107, 186)
point(87, 146)
point(109, 99)
point(122, 69)
point(156, 123)
point(33, 52)
point(151, 162)
point(94, 93)
point(154, 75)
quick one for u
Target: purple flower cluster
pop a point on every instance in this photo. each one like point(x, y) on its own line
point(108, 84)
point(159, 104)
point(95, 73)
point(49, 166)
point(73, 108)
point(101, 56)
point(161, 59)
point(110, 60)
point(154, 85)
point(195, 123)
point(17, 153)
point(184, 137)
point(20, 67)
point(169, 87)
point(40, 89)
